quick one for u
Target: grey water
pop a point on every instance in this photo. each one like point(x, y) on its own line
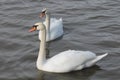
point(92, 25)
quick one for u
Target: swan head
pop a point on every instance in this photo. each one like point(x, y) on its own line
point(44, 11)
point(37, 26)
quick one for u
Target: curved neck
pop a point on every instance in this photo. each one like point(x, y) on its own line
point(42, 50)
point(47, 20)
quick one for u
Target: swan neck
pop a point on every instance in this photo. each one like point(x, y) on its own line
point(42, 50)
point(47, 20)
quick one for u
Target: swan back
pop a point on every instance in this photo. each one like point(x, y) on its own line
point(68, 61)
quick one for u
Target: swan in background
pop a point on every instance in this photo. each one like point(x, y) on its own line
point(70, 60)
point(54, 27)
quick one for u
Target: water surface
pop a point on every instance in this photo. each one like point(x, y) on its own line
point(88, 25)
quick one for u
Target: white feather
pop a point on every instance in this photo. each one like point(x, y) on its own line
point(71, 60)
point(66, 61)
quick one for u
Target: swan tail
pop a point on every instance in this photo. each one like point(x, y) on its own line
point(99, 57)
point(90, 63)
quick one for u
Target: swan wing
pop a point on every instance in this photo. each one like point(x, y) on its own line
point(56, 28)
point(98, 58)
point(68, 60)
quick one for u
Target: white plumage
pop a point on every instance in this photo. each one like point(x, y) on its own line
point(54, 27)
point(70, 60)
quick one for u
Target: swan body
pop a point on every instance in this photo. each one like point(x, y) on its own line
point(70, 60)
point(54, 27)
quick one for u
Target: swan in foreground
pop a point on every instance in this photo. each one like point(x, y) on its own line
point(70, 60)
point(54, 27)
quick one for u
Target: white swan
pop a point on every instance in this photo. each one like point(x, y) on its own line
point(66, 61)
point(54, 26)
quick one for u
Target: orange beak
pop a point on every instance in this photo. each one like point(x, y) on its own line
point(33, 29)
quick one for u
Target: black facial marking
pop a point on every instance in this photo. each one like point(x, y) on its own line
point(44, 11)
point(35, 26)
